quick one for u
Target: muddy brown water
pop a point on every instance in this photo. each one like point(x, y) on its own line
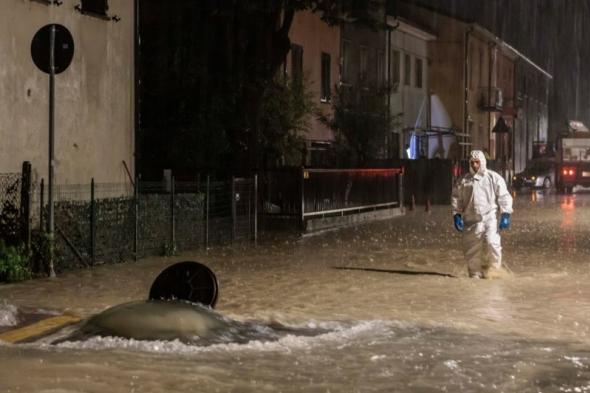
point(391, 302)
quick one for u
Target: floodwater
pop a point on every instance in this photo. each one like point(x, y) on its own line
point(382, 307)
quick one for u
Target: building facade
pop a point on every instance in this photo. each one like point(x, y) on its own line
point(315, 60)
point(408, 76)
point(94, 96)
point(475, 75)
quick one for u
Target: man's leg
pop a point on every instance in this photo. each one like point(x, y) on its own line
point(473, 246)
point(493, 245)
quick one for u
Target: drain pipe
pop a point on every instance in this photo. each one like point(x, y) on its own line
point(466, 75)
point(390, 29)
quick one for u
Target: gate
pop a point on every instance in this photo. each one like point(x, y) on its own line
point(244, 208)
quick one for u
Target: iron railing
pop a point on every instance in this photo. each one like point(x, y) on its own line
point(306, 193)
point(342, 191)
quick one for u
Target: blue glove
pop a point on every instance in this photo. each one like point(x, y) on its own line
point(504, 221)
point(459, 225)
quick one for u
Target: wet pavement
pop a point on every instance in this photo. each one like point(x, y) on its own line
point(385, 306)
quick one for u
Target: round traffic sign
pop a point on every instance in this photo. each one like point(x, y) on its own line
point(187, 280)
point(63, 48)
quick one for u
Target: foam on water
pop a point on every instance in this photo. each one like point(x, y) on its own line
point(8, 314)
point(327, 332)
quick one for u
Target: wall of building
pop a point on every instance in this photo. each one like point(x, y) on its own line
point(446, 57)
point(480, 76)
point(409, 98)
point(316, 37)
point(94, 97)
point(531, 103)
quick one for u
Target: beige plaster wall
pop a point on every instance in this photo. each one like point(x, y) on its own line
point(94, 105)
point(315, 36)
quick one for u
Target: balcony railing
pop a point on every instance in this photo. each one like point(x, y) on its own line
point(490, 99)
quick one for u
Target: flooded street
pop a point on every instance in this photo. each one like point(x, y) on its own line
point(384, 307)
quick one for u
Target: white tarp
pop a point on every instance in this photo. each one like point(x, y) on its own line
point(439, 146)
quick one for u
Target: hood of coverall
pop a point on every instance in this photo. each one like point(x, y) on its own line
point(478, 155)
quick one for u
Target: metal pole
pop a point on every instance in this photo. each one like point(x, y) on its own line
point(92, 224)
point(136, 203)
point(207, 217)
point(302, 195)
point(233, 207)
point(255, 210)
point(51, 223)
point(172, 232)
point(25, 205)
point(41, 204)
point(401, 189)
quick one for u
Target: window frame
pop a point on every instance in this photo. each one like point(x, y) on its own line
point(89, 10)
point(396, 68)
point(363, 63)
point(326, 77)
point(296, 63)
point(419, 73)
point(407, 69)
point(380, 67)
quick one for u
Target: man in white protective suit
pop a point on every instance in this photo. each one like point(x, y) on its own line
point(475, 200)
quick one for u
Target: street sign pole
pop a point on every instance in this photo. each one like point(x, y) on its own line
point(52, 50)
point(51, 223)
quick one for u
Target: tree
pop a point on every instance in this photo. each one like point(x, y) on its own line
point(286, 107)
point(205, 69)
point(361, 124)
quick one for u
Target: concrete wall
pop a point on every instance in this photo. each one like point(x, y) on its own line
point(94, 97)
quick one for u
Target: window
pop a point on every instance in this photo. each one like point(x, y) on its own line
point(95, 7)
point(297, 63)
point(419, 73)
point(482, 83)
point(363, 64)
point(395, 70)
point(407, 70)
point(380, 67)
point(345, 71)
point(326, 64)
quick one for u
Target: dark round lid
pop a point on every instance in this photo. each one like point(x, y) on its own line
point(187, 280)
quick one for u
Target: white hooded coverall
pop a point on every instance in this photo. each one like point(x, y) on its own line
point(476, 197)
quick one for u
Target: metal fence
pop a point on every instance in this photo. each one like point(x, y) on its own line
point(342, 191)
point(10, 202)
point(295, 193)
point(429, 180)
point(103, 222)
point(244, 207)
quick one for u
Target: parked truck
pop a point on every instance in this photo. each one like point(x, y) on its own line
point(573, 162)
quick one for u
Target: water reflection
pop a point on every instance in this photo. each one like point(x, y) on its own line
point(533, 195)
point(568, 236)
point(568, 204)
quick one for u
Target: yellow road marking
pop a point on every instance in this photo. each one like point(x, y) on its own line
point(38, 328)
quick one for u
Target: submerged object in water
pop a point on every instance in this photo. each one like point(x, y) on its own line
point(179, 307)
point(156, 320)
